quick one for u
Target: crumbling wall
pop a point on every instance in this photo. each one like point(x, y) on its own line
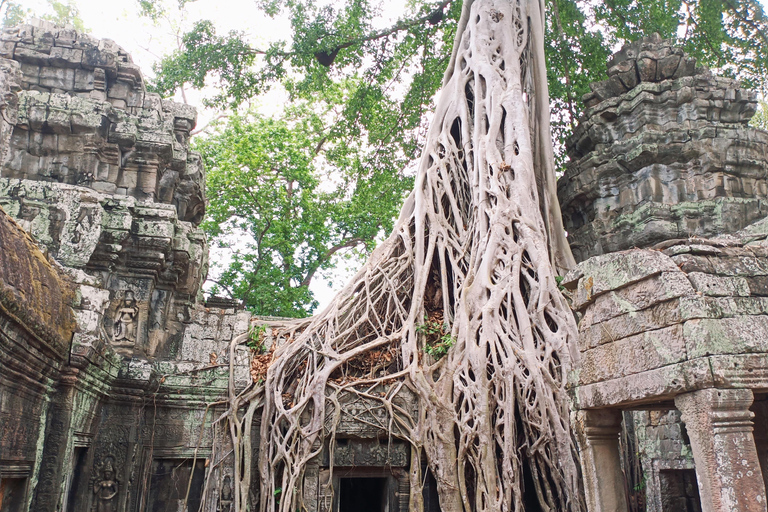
point(99, 173)
point(664, 151)
point(664, 201)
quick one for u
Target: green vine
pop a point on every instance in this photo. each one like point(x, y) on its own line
point(256, 335)
point(437, 339)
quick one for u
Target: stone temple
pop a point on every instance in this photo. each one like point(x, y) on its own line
point(113, 368)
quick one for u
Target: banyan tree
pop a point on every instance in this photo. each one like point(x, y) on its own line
point(459, 307)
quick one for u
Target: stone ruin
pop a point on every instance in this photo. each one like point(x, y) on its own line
point(114, 368)
point(664, 200)
point(109, 356)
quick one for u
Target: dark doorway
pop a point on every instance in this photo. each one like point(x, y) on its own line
point(12, 494)
point(75, 478)
point(679, 491)
point(169, 482)
point(363, 495)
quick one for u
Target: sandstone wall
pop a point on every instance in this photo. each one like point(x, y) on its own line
point(98, 173)
point(664, 151)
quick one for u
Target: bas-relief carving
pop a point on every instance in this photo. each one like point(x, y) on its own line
point(126, 320)
point(225, 495)
point(368, 453)
point(105, 489)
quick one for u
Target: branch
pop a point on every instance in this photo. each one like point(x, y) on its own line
point(734, 9)
point(208, 124)
point(352, 242)
point(225, 287)
point(433, 17)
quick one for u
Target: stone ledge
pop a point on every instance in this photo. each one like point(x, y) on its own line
point(663, 384)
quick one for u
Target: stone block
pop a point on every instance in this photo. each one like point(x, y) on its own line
point(758, 285)
point(735, 335)
point(635, 354)
point(83, 80)
point(667, 67)
point(639, 296)
point(118, 103)
point(719, 286)
point(61, 78)
point(693, 263)
point(58, 121)
point(721, 307)
point(647, 387)
point(25, 54)
point(93, 58)
point(740, 370)
point(613, 271)
point(66, 57)
point(30, 73)
point(7, 48)
point(70, 144)
point(655, 317)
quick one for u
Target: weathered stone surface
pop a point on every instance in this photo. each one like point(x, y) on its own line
point(727, 467)
point(667, 157)
point(663, 159)
point(640, 320)
point(639, 353)
point(31, 290)
point(639, 296)
point(104, 318)
point(613, 271)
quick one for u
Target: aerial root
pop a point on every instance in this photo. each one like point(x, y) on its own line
point(454, 337)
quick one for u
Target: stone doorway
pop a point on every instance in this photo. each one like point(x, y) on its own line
point(364, 495)
point(12, 491)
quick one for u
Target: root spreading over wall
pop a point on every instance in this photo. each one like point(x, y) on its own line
point(459, 306)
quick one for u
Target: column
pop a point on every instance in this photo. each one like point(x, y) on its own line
point(600, 460)
point(719, 424)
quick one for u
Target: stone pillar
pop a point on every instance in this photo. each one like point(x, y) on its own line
point(719, 424)
point(600, 460)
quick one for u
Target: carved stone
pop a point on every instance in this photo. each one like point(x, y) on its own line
point(664, 162)
point(665, 154)
point(719, 424)
point(104, 343)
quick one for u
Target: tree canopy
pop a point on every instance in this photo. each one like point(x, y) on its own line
point(362, 90)
point(64, 13)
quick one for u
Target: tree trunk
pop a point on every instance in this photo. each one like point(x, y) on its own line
point(468, 268)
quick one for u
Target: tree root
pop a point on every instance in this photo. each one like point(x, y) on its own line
point(471, 247)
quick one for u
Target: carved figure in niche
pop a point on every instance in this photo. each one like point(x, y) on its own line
point(106, 490)
point(125, 320)
point(225, 496)
point(83, 225)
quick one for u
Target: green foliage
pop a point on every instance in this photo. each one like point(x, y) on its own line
point(287, 195)
point(760, 119)
point(256, 335)
point(729, 35)
point(576, 56)
point(60, 13)
point(13, 13)
point(437, 339)
point(65, 13)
